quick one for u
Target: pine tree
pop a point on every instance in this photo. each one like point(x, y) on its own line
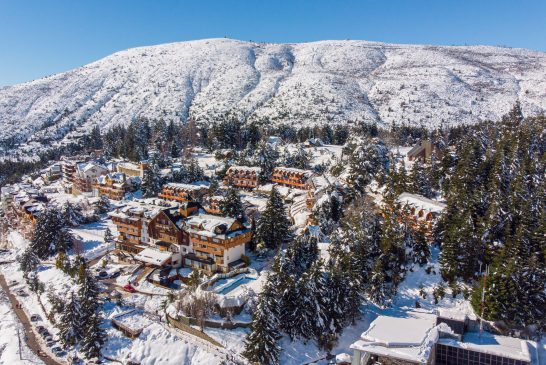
point(70, 324)
point(369, 160)
point(261, 345)
point(108, 237)
point(151, 182)
point(92, 334)
point(273, 226)
point(231, 205)
point(51, 235)
point(421, 249)
point(72, 214)
point(266, 158)
point(421, 180)
point(28, 261)
point(103, 205)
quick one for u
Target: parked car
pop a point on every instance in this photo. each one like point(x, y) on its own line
point(115, 274)
point(40, 329)
point(13, 282)
point(48, 339)
point(34, 318)
point(129, 288)
point(103, 275)
point(58, 351)
point(51, 343)
point(45, 334)
point(22, 293)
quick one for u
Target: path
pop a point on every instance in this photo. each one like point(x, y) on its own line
point(30, 338)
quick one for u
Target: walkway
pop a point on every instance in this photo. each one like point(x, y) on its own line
point(30, 338)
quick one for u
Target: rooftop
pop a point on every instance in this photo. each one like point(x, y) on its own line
point(422, 202)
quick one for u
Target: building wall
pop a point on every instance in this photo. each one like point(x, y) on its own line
point(448, 355)
point(233, 254)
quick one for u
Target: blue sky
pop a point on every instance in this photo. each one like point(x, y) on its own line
point(39, 37)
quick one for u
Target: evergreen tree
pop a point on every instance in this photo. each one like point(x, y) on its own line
point(92, 334)
point(231, 205)
point(421, 180)
point(108, 237)
point(421, 248)
point(266, 158)
point(28, 261)
point(50, 235)
point(369, 160)
point(72, 214)
point(151, 182)
point(261, 345)
point(70, 324)
point(273, 226)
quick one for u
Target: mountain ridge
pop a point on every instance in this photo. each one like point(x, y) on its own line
point(296, 83)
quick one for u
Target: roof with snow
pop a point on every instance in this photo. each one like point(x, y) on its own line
point(189, 187)
point(213, 226)
point(422, 202)
point(153, 256)
point(508, 347)
point(293, 170)
point(244, 168)
point(409, 337)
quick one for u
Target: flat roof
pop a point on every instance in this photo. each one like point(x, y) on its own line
point(509, 347)
point(153, 256)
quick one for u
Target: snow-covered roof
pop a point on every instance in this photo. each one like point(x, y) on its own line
point(294, 170)
point(86, 166)
point(153, 256)
point(210, 222)
point(403, 337)
point(181, 186)
point(114, 176)
point(421, 202)
point(244, 168)
point(509, 347)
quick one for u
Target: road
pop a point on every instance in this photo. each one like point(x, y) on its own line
point(31, 339)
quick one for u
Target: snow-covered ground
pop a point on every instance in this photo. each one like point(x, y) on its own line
point(11, 335)
point(297, 84)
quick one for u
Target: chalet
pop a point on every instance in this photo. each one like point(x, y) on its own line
point(242, 176)
point(217, 243)
point(114, 185)
point(422, 151)
point(22, 203)
point(85, 176)
point(291, 177)
point(421, 209)
point(212, 204)
point(183, 192)
point(132, 169)
point(425, 338)
point(52, 173)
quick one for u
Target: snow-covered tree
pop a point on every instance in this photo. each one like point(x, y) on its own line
point(272, 227)
point(70, 324)
point(231, 205)
point(152, 181)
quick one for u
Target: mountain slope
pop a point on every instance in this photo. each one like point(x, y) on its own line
point(308, 83)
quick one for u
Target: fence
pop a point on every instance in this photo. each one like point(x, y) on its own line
point(187, 328)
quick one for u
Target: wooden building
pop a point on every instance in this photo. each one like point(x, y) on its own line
point(217, 243)
point(243, 177)
point(113, 186)
point(132, 169)
point(420, 210)
point(291, 177)
point(422, 151)
point(85, 177)
point(183, 192)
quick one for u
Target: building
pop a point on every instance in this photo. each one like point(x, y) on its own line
point(421, 210)
point(53, 172)
point(183, 192)
point(68, 167)
point(114, 185)
point(422, 151)
point(132, 169)
point(418, 337)
point(217, 243)
point(22, 205)
point(291, 177)
point(242, 176)
point(85, 177)
point(212, 204)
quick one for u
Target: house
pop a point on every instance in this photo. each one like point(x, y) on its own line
point(291, 177)
point(420, 209)
point(183, 192)
point(422, 151)
point(115, 185)
point(68, 167)
point(242, 176)
point(132, 169)
point(212, 204)
point(85, 176)
point(22, 204)
point(53, 172)
point(418, 337)
point(217, 243)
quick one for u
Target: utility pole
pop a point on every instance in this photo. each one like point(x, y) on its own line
point(483, 299)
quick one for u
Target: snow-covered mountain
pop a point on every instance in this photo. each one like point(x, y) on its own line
point(307, 83)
